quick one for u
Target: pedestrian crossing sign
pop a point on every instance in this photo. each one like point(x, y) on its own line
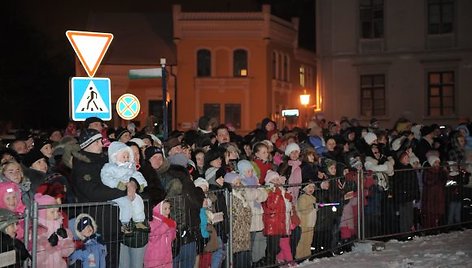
point(90, 97)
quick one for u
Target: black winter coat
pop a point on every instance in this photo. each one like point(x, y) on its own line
point(405, 184)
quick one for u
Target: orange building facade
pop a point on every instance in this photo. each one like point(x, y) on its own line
point(239, 67)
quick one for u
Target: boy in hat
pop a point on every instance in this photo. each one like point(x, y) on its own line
point(8, 242)
point(91, 253)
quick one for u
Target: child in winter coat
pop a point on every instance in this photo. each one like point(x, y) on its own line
point(205, 231)
point(276, 219)
point(91, 253)
point(10, 198)
point(163, 232)
point(54, 242)
point(261, 161)
point(8, 240)
point(117, 173)
point(306, 208)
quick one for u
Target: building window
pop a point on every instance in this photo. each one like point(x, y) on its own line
point(274, 65)
point(212, 110)
point(302, 76)
point(233, 114)
point(371, 18)
point(203, 63)
point(373, 95)
point(240, 63)
point(285, 68)
point(440, 16)
point(441, 93)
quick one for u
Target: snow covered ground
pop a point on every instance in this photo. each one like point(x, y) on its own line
point(443, 250)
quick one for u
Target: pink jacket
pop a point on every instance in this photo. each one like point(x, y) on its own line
point(163, 232)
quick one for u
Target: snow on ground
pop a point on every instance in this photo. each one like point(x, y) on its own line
point(443, 250)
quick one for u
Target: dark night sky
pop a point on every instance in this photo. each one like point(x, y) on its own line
point(37, 59)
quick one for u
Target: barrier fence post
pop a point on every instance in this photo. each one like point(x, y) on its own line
point(26, 233)
point(230, 241)
point(34, 249)
point(227, 197)
point(361, 206)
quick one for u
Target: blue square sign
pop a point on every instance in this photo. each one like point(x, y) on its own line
point(90, 97)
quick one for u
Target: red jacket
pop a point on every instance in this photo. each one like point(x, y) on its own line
point(275, 217)
point(263, 168)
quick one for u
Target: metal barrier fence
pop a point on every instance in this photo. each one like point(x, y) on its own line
point(262, 227)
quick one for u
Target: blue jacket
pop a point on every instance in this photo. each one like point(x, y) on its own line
point(93, 255)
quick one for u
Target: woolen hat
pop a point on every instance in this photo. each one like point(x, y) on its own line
point(370, 137)
point(243, 166)
point(91, 120)
point(120, 131)
point(273, 175)
point(7, 218)
point(138, 141)
point(211, 155)
point(425, 130)
point(171, 143)
point(178, 159)
point(151, 151)
point(291, 147)
point(221, 172)
point(31, 157)
point(88, 136)
point(39, 143)
point(201, 182)
point(231, 177)
point(84, 222)
point(432, 159)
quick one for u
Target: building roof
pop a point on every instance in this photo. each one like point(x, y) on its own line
point(139, 38)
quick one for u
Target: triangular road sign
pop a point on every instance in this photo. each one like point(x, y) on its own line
point(91, 101)
point(90, 47)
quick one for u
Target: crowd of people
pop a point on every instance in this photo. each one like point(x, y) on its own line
point(292, 190)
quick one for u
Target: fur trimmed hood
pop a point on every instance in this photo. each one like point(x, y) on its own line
point(79, 219)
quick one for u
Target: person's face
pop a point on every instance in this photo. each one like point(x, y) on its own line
point(330, 144)
point(47, 150)
point(200, 158)
point(156, 161)
point(122, 157)
point(405, 160)
point(13, 173)
point(20, 147)
point(52, 214)
point(125, 137)
point(461, 141)
point(382, 139)
point(237, 182)
point(294, 155)
point(96, 125)
point(436, 163)
point(222, 136)
point(310, 189)
point(311, 158)
point(247, 149)
point(136, 153)
point(263, 153)
point(216, 163)
point(332, 170)
point(175, 150)
point(204, 188)
point(232, 155)
point(96, 147)
point(165, 209)
point(270, 126)
point(87, 231)
point(187, 151)
point(147, 142)
point(10, 201)
point(12, 229)
point(40, 165)
point(316, 131)
point(375, 151)
point(351, 136)
point(249, 173)
point(56, 136)
point(6, 157)
point(220, 180)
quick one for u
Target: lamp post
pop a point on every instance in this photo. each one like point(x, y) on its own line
point(305, 100)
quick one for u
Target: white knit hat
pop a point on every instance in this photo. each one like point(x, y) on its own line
point(291, 147)
point(370, 137)
point(201, 182)
point(432, 159)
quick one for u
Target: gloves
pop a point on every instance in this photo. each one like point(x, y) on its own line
point(53, 239)
point(61, 232)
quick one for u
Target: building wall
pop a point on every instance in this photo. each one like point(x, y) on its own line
point(405, 55)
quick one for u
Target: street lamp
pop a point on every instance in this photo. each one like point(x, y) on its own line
point(305, 100)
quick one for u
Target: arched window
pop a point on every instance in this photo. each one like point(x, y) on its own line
point(203, 63)
point(240, 63)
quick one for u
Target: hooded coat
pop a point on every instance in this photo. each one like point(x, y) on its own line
point(93, 252)
point(163, 232)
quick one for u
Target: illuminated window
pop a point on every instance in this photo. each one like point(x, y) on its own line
point(240, 63)
point(441, 93)
point(302, 76)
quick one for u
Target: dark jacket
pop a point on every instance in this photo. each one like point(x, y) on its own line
point(7, 244)
point(405, 184)
point(154, 190)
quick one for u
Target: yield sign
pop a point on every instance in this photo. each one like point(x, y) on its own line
point(90, 47)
